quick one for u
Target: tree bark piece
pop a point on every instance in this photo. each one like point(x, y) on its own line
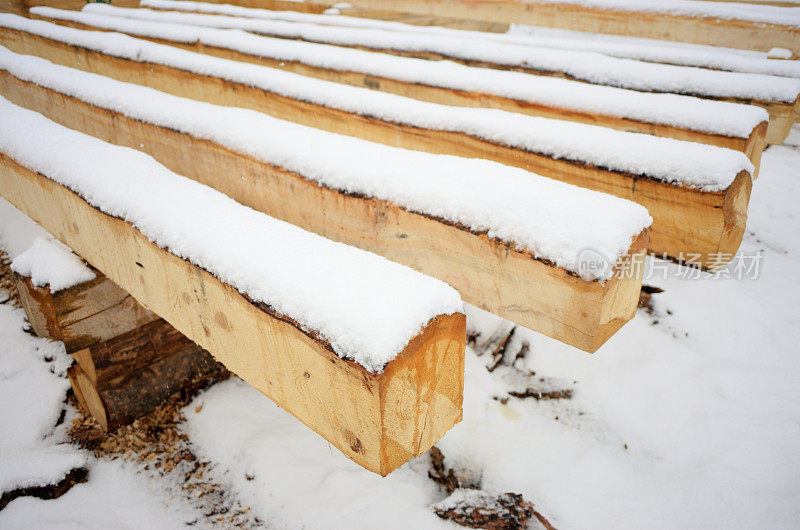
point(126, 377)
point(379, 421)
point(81, 315)
point(487, 273)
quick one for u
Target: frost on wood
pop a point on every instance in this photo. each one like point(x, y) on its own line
point(339, 292)
point(583, 65)
point(554, 221)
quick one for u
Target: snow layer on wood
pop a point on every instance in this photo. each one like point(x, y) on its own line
point(587, 66)
point(37, 253)
point(697, 165)
point(50, 263)
point(669, 52)
point(367, 307)
point(715, 117)
point(550, 219)
point(657, 51)
point(782, 16)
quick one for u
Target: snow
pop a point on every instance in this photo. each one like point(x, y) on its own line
point(116, 496)
point(332, 289)
point(652, 50)
point(34, 252)
point(292, 480)
point(553, 220)
point(32, 451)
point(583, 65)
point(716, 117)
point(779, 53)
point(49, 263)
point(668, 52)
point(403, 181)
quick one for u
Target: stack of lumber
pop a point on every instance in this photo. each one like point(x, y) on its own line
point(698, 194)
point(307, 27)
point(498, 168)
point(415, 224)
point(779, 95)
point(734, 24)
point(386, 354)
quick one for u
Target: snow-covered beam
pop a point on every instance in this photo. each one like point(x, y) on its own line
point(367, 353)
point(718, 24)
point(446, 82)
point(677, 181)
point(602, 103)
point(22, 7)
point(310, 27)
point(426, 211)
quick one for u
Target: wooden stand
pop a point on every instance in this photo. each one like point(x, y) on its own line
point(83, 315)
point(128, 360)
point(128, 376)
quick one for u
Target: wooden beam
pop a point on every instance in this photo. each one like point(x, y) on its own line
point(81, 315)
point(734, 33)
point(687, 220)
point(782, 115)
point(121, 379)
point(280, 5)
point(22, 7)
point(488, 273)
point(379, 421)
point(427, 20)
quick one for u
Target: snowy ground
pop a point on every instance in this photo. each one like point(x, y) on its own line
point(688, 417)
